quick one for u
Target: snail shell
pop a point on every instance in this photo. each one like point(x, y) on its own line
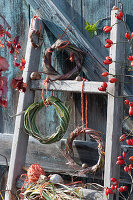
point(84, 165)
point(35, 76)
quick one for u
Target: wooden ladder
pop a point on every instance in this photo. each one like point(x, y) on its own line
point(114, 107)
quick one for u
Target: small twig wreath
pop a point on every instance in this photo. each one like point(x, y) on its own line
point(33, 39)
point(95, 135)
point(30, 120)
point(76, 56)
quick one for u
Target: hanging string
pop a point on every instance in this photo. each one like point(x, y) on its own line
point(46, 81)
point(25, 181)
point(86, 108)
point(82, 104)
point(64, 46)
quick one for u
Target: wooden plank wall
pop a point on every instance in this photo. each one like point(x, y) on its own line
point(18, 14)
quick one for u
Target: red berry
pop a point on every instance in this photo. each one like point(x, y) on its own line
point(109, 191)
point(109, 58)
point(121, 189)
point(129, 142)
point(130, 58)
point(131, 111)
point(102, 88)
point(117, 17)
point(104, 85)
point(131, 104)
point(119, 158)
point(131, 166)
point(127, 35)
point(105, 27)
point(106, 191)
point(104, 74)
point(132, 34)
point(112, 187)
point(107, 62)
point(126, 169)
point(131, 158)
point(126, 101)
point(108, 45)
point(125, 188)
point(124, 155)
point(132, 64)
point(120, 14)
point(113, 80)
point(129, 170)
point(116, 186)
point(108, 29)
point(109, 41)
point(120, 162)
point(113, 179)
point(122, 138)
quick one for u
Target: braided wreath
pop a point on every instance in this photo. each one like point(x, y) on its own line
point(30, 120)
point(77, 56)
point(95, 135)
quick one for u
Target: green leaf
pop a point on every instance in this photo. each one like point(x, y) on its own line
point(91, 28)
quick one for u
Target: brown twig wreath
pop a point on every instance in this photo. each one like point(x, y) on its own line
point(36, 35)
point(95, 135)
point(76, 55)
point(39, 36)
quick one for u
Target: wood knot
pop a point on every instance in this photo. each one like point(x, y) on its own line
point(84, 165)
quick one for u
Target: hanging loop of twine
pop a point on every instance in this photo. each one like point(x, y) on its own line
point(82, 104)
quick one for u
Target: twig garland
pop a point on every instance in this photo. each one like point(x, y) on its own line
point(36, 33)
point(30, 120)
point(70, 48)
point(95, 135)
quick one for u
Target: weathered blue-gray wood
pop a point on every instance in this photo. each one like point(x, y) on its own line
point(73, 9)
point(56, 20)
point(20, 139)
point(115, 104)
point(69, 86)
point(17, 15)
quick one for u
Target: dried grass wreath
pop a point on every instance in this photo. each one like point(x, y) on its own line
point(76, 55)
point(70, 154)
point(30, 120)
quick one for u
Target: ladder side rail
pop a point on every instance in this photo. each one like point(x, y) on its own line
point(20, 138)
point(115, 104)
